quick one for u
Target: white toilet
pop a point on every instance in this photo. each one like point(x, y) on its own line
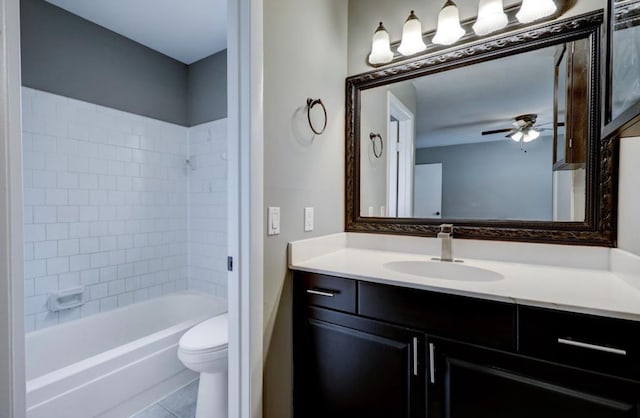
point(203, 349)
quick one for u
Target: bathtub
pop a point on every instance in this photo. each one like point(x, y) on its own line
point(112, 364)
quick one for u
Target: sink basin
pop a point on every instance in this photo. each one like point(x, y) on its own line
point(445, 271)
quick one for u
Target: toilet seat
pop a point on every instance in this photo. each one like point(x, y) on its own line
point(207, 337)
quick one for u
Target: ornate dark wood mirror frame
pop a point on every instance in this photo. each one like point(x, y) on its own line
point(600, 218)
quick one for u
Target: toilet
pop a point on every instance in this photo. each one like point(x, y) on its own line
point(203, 349)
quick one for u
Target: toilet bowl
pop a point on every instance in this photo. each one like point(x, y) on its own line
point(203, 349)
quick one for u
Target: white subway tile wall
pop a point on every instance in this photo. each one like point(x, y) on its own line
point(208, 208)
point(107, 206)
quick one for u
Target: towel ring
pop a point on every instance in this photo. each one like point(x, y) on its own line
point(310, 104)
point(373, 137)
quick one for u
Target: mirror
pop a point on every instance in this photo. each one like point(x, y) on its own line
point(500, 139)
point(625, 56)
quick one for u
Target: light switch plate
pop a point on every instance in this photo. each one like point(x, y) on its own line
point(308, 219)
point(273, 220)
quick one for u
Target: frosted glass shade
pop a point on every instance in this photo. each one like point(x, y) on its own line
point(449, 29)
point(517, 136)
point(491, 17)
point(530, 135)
point(412, 42)
point(380, 47)
point(532, 10)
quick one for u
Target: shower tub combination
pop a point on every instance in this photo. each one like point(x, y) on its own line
point(113, 364)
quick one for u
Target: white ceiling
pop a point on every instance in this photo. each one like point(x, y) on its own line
point(454, 107)
point(186, 30)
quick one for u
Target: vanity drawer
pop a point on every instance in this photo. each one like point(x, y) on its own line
point(467, 319)
point(596, 343)
point(328, 291)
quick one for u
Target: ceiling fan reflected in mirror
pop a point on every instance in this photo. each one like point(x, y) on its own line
point(524, 128)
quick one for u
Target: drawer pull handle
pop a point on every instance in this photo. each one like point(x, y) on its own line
point(325, 293)
point(592, 346)
point(415, 356)
point(432, 363)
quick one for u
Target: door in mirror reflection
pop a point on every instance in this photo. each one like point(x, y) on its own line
point(499, 140)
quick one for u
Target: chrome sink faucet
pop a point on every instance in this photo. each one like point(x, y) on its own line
point(446, 238)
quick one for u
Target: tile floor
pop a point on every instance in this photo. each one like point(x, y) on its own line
point(179, 404)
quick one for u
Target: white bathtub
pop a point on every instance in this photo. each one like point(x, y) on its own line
point(112, 364)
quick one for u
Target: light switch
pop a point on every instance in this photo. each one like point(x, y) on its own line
point(308, 219)
point(273, 220)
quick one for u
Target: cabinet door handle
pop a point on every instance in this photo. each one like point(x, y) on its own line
point(432, 363)
point(415, 356)
point(603, 348)
point(318, 292)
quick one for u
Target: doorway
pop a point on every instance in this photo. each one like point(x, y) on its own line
point(400, 158)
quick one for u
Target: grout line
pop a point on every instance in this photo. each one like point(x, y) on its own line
point(168, 410)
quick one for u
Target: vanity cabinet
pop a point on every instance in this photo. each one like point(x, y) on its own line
point(364, 349)
point(471, 382)
point(352, 367)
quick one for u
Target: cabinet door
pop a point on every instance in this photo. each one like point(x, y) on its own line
point(471, 382)
point(344, 372)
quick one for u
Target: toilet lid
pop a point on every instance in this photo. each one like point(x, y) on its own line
point(210, 334)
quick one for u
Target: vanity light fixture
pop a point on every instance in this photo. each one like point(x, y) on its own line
point(380, 47)
point(532, 10)
point(449, 29)
point(491, 17)
point(412, 42)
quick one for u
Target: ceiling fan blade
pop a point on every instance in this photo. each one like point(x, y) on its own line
point(497, 131)
point(550, 123)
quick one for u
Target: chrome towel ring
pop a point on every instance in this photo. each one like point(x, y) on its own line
point(310, 104)
point(373, 138)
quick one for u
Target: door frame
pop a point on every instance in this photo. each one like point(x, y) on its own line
point(403, 176)
point(245, 212)
point(12, 364)
point(245, 146)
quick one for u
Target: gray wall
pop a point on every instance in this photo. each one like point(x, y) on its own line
point(495, 180)
point(207, 89)
point(70, 56)
point(629, 200)
point(300, 170)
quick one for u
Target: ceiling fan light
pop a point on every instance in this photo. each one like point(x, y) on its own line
point(530, 135)
point(449, 29)
point(532, 10)
point(491, 17)
point(517, 136)
point(380, 47)
point(412, 42)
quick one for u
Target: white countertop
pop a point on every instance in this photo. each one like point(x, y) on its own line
point(610, 286)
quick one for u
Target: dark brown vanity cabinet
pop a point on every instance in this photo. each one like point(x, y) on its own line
point(369, 350)
point(472, 382)
point(351, 367)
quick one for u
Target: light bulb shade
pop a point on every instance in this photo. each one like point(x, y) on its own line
point(491, 17)
point(532, 10)
point(530, 135)
point(380, 47)
point(449, 29)
point(517, 136)
point(412, 42)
